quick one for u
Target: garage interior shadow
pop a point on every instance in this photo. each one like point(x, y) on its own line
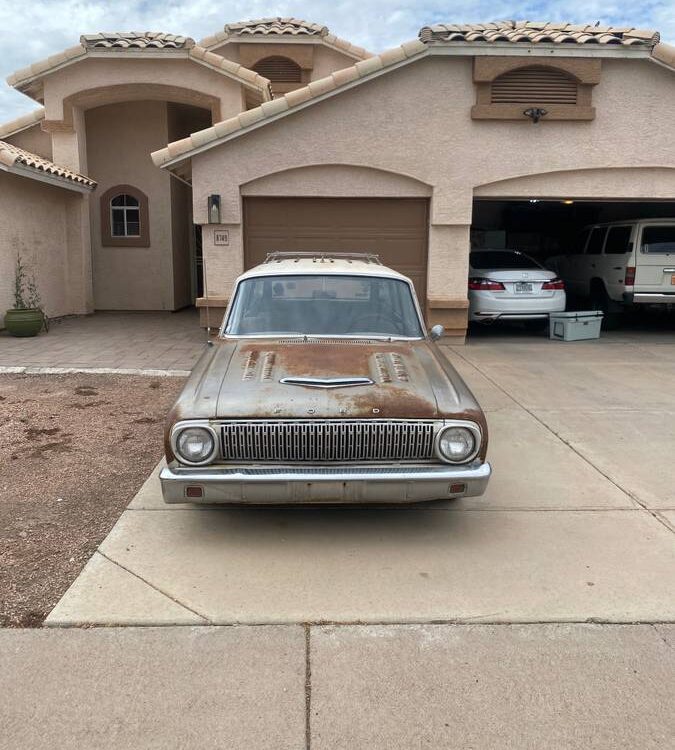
point(544, 228)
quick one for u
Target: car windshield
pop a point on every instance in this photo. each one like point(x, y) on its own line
point(495, 260)
point(323, 305)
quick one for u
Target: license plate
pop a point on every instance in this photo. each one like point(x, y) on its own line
point(523, 287)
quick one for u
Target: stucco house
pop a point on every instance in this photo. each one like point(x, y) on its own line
point(182, 163)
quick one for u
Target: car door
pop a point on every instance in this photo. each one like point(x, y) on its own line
point(611, 265)
point(655, 258)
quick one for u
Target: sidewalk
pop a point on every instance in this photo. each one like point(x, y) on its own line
point(332, 687)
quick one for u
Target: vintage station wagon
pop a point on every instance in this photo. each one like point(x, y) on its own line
point(323, 386)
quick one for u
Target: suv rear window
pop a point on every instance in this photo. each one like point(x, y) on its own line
point(496, 260)
point(658, 239)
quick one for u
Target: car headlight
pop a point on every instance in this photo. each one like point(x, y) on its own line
point(458, 444)
point(195, 445)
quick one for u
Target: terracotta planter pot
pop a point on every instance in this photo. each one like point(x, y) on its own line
point(24, 322)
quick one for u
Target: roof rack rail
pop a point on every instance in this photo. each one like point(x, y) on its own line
point(279, 255)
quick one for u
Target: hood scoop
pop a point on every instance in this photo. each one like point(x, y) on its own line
point(327, 382)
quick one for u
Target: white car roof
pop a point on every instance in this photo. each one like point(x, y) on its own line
point(323, 263)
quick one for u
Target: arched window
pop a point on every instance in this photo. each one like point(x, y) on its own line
point(124, 217)
point(279, 69)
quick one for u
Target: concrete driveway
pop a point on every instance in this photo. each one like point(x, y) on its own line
point(540, 616)
point(577, 524)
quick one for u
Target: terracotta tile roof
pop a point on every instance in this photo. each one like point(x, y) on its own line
point(12, 155)
point(339, 78)
point(21, 123)
point(534, 32)
point(182, 149)
point(276, 25)
point(280, 26)
point(137, 40)
point(120, 42)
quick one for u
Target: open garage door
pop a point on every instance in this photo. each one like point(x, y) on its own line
point(545, 228)
point(396, 229)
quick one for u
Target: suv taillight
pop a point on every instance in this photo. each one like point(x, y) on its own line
point(553, 284)
point(630, 276)
point(485, 285)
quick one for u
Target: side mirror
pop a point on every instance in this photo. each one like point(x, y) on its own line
point(437, 332)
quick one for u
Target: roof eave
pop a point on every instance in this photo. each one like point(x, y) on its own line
point(23, 170)
point(193, 54)
point(537, 49)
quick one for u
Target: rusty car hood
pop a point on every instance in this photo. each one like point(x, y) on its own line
point(242, 379)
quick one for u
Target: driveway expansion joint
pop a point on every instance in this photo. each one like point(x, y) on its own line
point(629, 495)
point(206, 620)
point(308, 687)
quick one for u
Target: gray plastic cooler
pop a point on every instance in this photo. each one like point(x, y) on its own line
point(575, 326)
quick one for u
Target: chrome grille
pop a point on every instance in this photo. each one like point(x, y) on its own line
point(328, 440)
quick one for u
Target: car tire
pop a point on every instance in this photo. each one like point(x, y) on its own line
point(612, 311)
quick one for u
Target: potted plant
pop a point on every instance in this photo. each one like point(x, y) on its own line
point(27, 317)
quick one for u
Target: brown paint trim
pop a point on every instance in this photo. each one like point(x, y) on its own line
point(107, 240)
point(585, 70)
point(515, 112)
point(438, 303)
point(486, 69)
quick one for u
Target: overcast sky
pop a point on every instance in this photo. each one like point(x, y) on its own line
point(33, 29)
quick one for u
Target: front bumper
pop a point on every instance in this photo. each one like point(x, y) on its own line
point(265, 485)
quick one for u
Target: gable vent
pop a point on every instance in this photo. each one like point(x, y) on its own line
point(279, 70)
point(534, 85)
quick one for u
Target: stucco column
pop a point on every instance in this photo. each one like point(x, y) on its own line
point(447, 301)
point(449, 245)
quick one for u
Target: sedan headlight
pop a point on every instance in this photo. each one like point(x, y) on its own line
point(458, 443)
point(194, 444)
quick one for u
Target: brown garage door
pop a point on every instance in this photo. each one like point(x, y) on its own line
point(394, 228)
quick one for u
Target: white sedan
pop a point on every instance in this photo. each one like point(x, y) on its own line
point(509, 285)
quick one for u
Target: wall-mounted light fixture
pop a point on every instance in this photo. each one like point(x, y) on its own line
point(214, 209)
point(535, 113)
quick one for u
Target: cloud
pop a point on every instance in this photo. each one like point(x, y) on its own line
point(32, 31)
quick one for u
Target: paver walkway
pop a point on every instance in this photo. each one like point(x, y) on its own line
point(146, 341)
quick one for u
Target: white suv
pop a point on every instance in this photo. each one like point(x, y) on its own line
point(621, 264)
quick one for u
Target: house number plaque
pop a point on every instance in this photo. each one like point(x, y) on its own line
point(221, 236)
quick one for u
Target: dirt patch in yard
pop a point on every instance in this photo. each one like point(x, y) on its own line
point(74, 449)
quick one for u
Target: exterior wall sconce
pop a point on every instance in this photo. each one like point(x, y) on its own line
point(214, 209)
point(535, 113)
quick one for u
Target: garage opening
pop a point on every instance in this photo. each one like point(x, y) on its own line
point(396, 229)
point(545, 228)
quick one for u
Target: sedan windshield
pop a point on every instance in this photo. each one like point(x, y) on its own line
point(318, 305)
point(506, 260)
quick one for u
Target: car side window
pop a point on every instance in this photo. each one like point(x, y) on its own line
point(596, 240)
point(618, 241)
